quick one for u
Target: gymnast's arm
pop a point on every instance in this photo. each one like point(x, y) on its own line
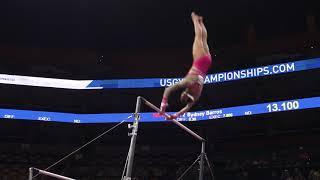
point(167, 93)
point(182, 111)
point(185, 109)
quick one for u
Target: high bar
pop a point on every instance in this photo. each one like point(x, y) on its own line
point(173, 120)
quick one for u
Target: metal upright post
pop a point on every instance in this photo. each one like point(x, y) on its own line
point(202, 156)
point(30, 173)
point(133, 140)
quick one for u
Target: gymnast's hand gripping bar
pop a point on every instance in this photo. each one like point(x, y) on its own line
point(174, 121)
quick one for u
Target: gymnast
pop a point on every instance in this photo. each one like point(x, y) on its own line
point(192, 83)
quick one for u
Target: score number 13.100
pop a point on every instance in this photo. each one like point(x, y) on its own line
point(283, 106)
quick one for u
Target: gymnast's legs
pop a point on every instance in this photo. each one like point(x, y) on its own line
point(200, 46)
point(204, 37)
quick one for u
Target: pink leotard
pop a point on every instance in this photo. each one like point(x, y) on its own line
point(201, 66)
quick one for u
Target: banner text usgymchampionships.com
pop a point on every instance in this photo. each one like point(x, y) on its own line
point(239, 74)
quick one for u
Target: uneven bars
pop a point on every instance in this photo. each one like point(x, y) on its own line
point(52, 174)
point(173, 120)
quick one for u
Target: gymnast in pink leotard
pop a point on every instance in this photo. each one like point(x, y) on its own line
point(192, 83)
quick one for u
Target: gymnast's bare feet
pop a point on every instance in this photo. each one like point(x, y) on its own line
point(194, 16)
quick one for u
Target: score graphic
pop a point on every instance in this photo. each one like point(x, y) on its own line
point(8, 116)
point(43, 118)
point(285, 106)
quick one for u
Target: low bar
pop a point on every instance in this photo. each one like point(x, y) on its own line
point(52, 174)
point(174, 121)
